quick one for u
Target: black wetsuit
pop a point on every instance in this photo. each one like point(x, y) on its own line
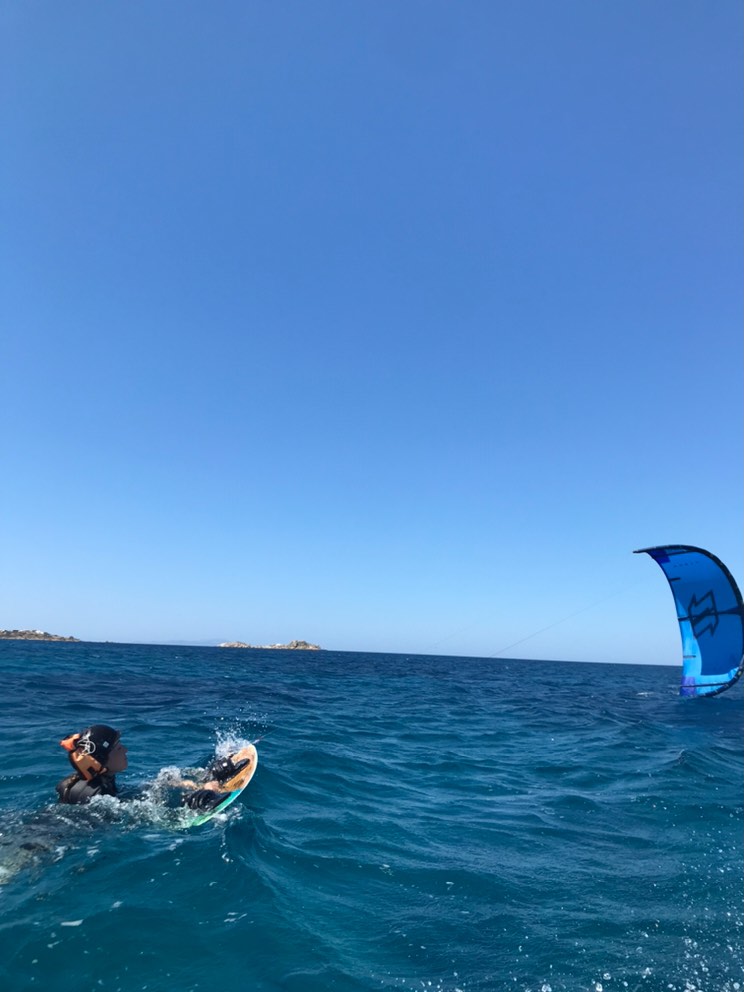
point(75, 789)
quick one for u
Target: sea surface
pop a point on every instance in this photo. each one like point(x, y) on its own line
point(415, 823)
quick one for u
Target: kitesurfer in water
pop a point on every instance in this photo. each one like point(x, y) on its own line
point(97, 755)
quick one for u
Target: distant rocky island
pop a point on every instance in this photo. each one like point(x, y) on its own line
point(34, 635)
point(292, 646)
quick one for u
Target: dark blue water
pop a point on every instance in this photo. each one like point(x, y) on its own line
point(414, 823)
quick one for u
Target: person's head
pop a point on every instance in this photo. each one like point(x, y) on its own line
point(96, 750)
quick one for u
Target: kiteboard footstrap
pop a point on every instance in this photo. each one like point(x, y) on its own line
point(223, 769)
point(203, 799)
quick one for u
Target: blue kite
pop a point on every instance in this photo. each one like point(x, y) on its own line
point(710, 612)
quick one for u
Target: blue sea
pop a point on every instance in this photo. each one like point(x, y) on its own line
point(415, 823)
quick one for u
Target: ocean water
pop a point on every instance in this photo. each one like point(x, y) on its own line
point(415, 823)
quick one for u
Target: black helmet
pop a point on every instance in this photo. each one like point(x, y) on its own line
point(89, 752)
point(97, 741)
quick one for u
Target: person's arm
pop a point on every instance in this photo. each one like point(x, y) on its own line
point(183, 783)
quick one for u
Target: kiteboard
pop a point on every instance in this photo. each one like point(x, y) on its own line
point(233, 787)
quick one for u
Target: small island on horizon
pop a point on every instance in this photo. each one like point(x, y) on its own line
point(292, 646)
point(43, 635)
point(34, 635)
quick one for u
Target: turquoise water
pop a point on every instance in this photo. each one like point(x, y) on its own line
point(415, 823)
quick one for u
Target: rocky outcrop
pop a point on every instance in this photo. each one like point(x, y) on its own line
point(34, 635)
point(292, 646)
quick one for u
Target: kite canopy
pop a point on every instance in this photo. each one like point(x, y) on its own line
point(711, 617)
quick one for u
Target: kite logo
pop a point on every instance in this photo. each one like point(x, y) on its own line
point(703, 614)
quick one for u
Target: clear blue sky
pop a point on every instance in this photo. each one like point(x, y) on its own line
point(394, 326)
